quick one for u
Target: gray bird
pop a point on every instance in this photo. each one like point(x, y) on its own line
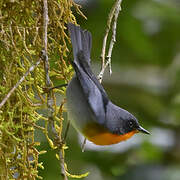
point(89, 108)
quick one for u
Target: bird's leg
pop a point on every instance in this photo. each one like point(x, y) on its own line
point(83, 145)
point(47, 89)
point(66, 131)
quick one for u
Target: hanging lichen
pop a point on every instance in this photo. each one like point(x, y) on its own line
point(21, 45)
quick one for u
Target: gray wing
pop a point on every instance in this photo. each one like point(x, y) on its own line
point(92, 93)
point(86, 68)
point(96, 96)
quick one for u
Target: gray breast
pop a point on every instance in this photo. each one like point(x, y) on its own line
point(79, 111)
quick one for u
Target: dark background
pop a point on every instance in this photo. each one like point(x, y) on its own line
point(145, 81)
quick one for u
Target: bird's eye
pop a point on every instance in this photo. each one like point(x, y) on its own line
point(131, 124)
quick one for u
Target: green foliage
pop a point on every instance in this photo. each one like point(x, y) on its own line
point(145, 81)
point(21, 43)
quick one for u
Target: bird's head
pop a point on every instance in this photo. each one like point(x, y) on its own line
point(130, 123)
point(121, 122)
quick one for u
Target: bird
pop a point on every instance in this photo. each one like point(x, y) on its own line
point(89, 108)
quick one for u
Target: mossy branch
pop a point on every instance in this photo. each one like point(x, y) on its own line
point(24, 34)
point(19, 82)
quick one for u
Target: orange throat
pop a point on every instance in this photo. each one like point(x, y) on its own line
point(102, 137)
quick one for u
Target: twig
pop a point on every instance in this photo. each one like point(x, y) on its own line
point(63, 169)
point(45, 24)
point(83, 145)
point(38, 127)
point(113, 40)
point(113, 14)
point(50, 100)
point(19, 82)
point(59, 142)
point(55, 87)
point(66, 131)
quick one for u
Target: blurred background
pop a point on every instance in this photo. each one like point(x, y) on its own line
point(145, 81)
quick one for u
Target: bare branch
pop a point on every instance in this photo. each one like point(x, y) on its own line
point(113, 40)
point(113, 14)
point(19, 82)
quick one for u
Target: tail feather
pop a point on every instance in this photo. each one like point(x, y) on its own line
point(81, 41)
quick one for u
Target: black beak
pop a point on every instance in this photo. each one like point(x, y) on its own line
point(142, 130)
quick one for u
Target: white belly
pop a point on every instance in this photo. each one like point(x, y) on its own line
point(79, 111)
